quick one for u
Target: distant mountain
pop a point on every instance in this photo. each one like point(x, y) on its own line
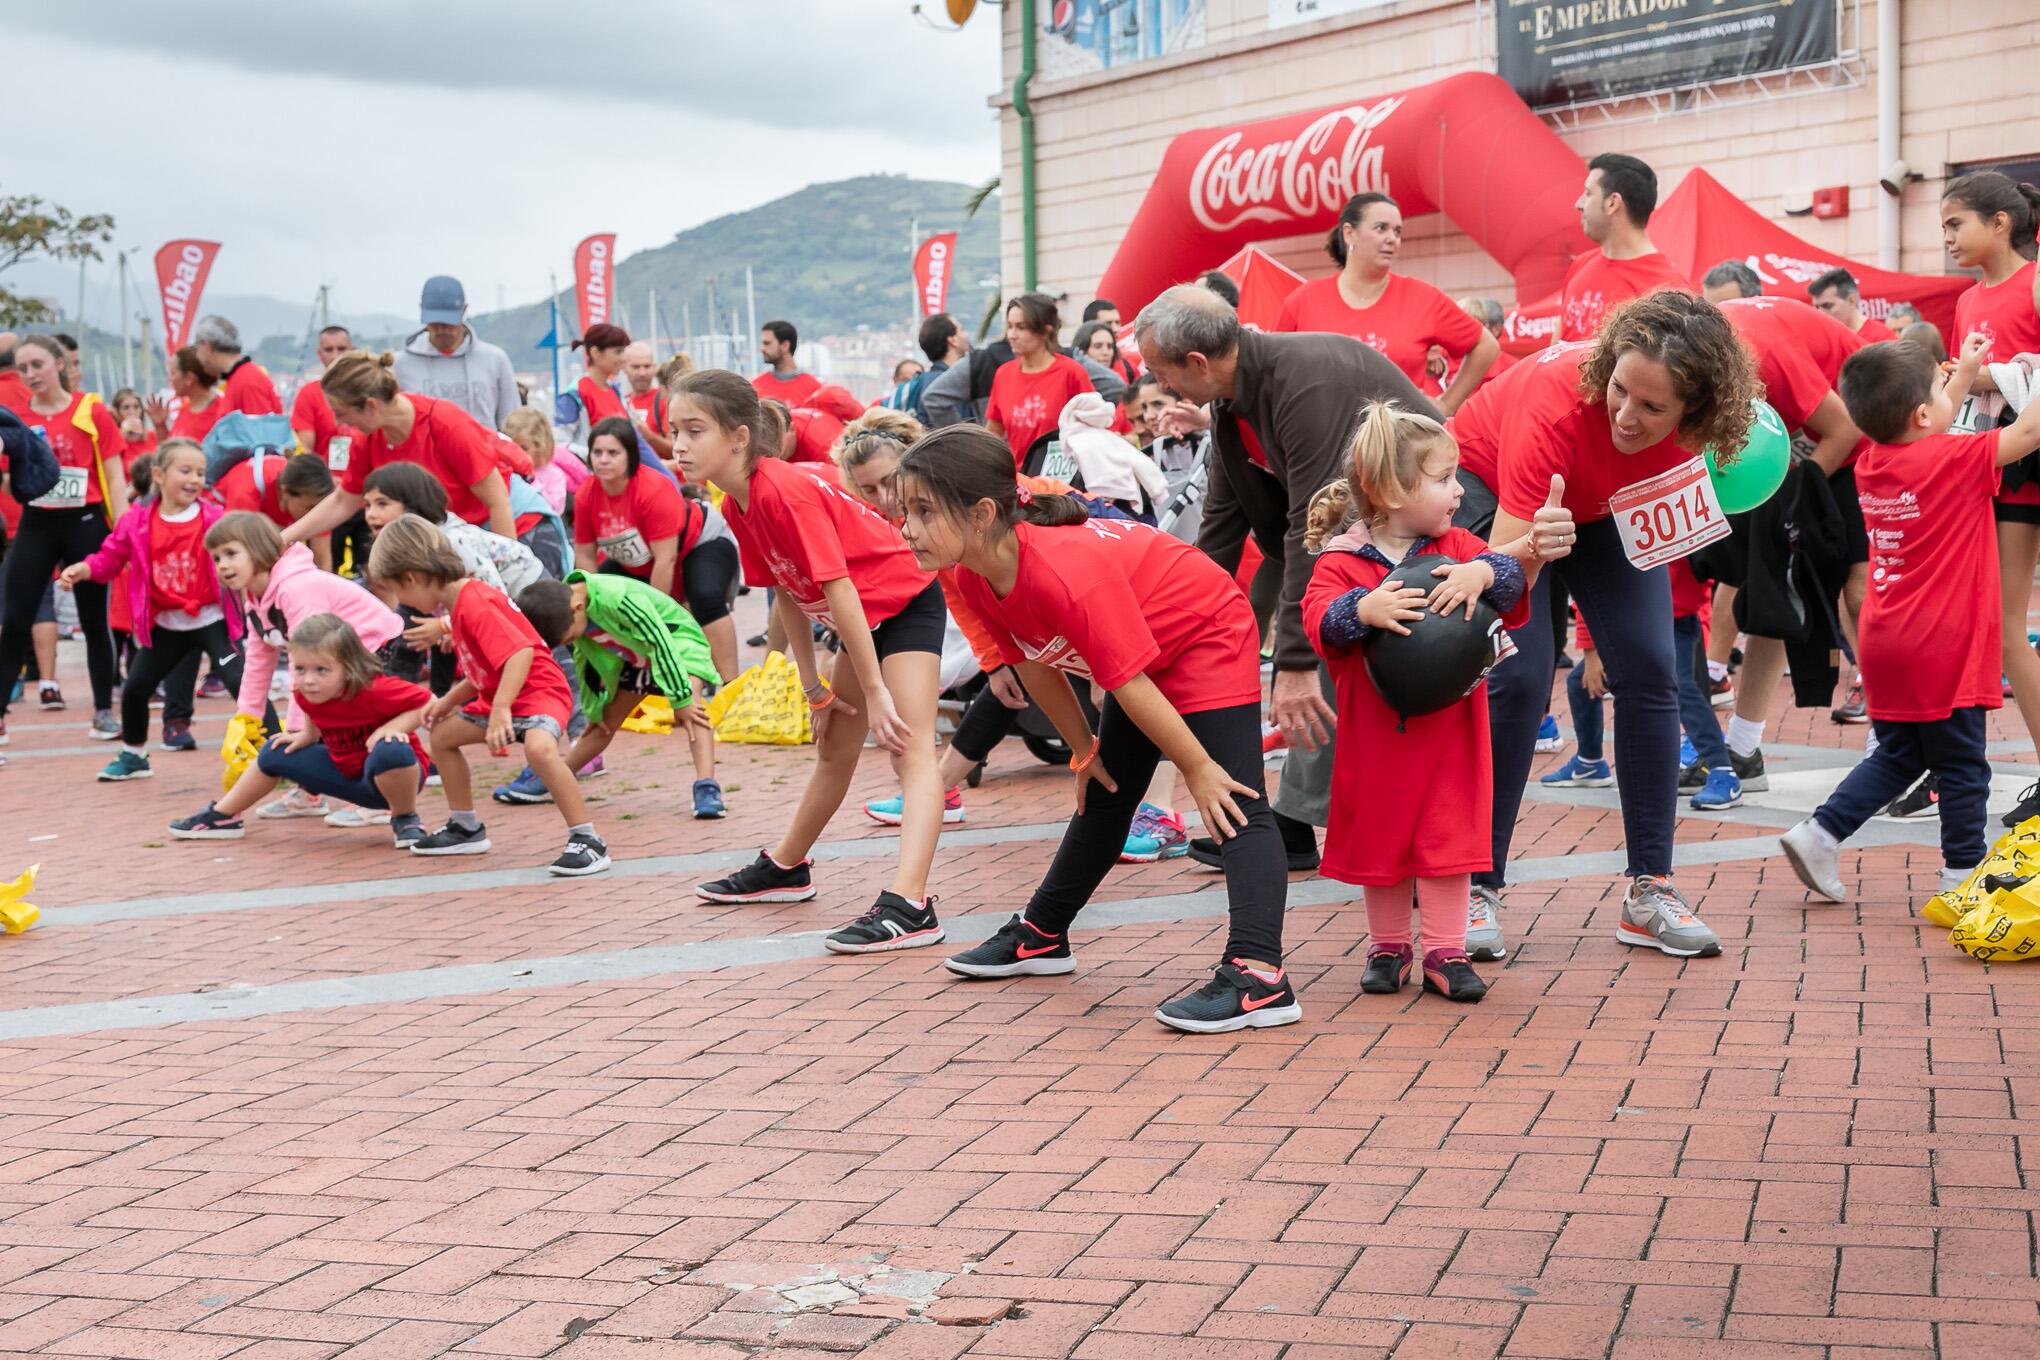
point(259, 318)
point(829, 258)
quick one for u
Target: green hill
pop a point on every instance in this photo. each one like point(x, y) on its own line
point(829, 258)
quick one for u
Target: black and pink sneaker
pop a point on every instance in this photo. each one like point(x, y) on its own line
point(1237, 997)
point(1449, 973)
point(892, 923)
point(762, 880)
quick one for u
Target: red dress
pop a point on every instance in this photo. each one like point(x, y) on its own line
point(1415, 803)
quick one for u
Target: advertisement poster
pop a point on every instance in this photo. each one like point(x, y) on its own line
point(1556, 52)
point(1084, 37)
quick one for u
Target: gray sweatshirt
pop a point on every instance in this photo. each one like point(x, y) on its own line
point(476, 377)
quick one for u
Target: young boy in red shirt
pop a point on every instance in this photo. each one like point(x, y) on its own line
point(1929, 639)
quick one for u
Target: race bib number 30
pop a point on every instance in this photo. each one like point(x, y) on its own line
point(67, 494)
point(1669, 516)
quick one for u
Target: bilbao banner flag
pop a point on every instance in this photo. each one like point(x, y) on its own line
point(933, 263)
point(181, 269)
point(594, 259)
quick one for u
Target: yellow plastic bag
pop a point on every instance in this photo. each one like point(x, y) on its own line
point(2005, 929)
point(653, 715)
point(763, 706)
point(15, 914)
point(2017, 852)
point(239, 747)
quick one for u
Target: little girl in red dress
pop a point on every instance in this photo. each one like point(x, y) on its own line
point(1410, 798)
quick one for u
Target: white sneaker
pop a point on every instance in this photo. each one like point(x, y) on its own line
point(1951, 879)
point(1817, 858)
point(296, 803)
point(347, 814)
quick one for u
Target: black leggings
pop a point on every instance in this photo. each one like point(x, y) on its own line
point(1256, 868)
point(168, 648)
point(49, 539)
point(985, 723)
point(708, 576)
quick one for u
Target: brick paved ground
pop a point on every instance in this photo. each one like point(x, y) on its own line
point(294, 1096)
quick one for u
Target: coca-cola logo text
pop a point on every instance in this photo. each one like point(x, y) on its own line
point(1312, 173)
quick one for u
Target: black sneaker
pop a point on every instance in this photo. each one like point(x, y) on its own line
point(761, 881)
point(453, 840)
point(1750, 770)
point(1387, 970)
point(1299, 841)
point(586, 853)
point(177, 736)
point(1018, 950)
point(2029, 806)
point(1693, 778)
point(1234, 999)
point(892, 923)
point(407, 831)
point(1449, 973)
point(1921, 800)
point(210, 825)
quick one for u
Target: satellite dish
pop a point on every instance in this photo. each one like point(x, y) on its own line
point(960, 10)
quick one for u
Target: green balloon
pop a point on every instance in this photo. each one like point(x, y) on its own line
point(1759, 469)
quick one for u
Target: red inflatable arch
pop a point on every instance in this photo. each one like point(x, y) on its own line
point(1465, 146)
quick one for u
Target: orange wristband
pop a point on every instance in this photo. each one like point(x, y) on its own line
point(1079, 766)
point(829, 697)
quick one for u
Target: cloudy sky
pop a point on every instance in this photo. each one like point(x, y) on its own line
point(369, 144)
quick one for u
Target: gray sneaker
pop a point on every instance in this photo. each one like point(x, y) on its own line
point(1817, 858)
point(105, 727)
point(1654, 916)
point(1484, 925)
point(1750, 769)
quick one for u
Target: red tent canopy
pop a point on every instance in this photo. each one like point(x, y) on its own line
point(1265, 284)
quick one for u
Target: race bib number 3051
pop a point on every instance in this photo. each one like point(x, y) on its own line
point(1669, 516)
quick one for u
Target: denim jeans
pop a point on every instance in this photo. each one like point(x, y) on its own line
point(1696, 710)
point(1950, 747)
point(313, 770)
point(1586, 712)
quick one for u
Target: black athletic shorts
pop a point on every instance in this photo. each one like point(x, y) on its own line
point(918, 627)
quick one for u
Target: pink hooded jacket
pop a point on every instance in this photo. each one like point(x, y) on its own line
point(297, 590)
point(128, 546)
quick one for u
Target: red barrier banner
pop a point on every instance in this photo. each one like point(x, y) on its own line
point(933, 264)
point(594, 260)
point(181, 270)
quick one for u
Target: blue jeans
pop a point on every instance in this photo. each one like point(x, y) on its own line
point(1696, 710)
point(1950, 747)
point(313, 770)
point(1629, 612)
point(1586, 711)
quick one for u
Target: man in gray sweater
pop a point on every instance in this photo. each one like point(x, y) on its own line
point(446, 361)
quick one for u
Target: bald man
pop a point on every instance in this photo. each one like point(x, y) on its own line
point(647, 403)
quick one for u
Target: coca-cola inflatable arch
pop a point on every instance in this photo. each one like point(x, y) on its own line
point(1465, 146)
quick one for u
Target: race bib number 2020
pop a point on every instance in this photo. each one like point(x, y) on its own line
point(1669, 516)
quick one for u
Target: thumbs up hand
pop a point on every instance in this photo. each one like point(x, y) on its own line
point(1553, 530)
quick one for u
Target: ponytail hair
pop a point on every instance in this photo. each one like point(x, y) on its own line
point(1988, 193)
point(1383, 466)
point(960, 465)
point(1352, 215)
point(357, 377)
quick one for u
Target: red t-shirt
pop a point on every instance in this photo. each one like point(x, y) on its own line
point(1107, 600)
point(236, 488)
point(487, 632)
point(650, 408)
point(799, 390)
point(447, 442)
point(180, 570)
point(249, 389)
point(836, 401)
point(1929, 637)
point(1596, 285)
point(196, 424)
point(310, 410)
point(2002, 311)
point(1409, 317)
point(623, 528)
point(599, 400)
point(1517, 431)
point(799, 532)
point(345, 725)
point(1029, 405)
point(815, 432)
point(73, 449)
point(1800, 351)
point(14, 393)
point(1872, 331)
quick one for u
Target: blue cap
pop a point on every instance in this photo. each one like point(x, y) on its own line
point(443, 303)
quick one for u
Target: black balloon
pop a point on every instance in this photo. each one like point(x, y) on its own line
point(1444, 655)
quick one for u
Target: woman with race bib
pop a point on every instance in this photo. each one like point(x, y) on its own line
point(1614, 429)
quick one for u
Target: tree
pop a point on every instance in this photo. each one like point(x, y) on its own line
point(29, 227)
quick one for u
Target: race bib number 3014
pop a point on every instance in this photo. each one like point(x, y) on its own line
point(1669, 516)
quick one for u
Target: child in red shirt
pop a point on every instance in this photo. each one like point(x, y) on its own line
point(358, 743)
point(1422, 842)
point(511, 689)
point(1172, 640)
point(834, 561)
point(1929, 641)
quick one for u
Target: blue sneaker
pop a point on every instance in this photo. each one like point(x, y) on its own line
point(1156, 834)
point(527, 787)
point(1722, 790)
point(1548, 739)
point(891, 811)
point(708, 801)
point(1687, 755)
point(125, 766)
point(1579, 774)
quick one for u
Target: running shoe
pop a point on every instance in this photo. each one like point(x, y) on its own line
point(1687, 754)
point(762, 880)
point(1721, 792)
point(1237, 997)
point(1207, 851)
point(594, 769)
point(348, 815)
point(1579, 773)
point(1750, 770)
point(1484, 925)
point(1655, 916)
point(125, 766)
point(1852, 712)
point(586, 853)
point(212, 687)
point(1018, 950)
point(105, 727)
point(891, 811)
point(1449, 973)
point(708, 800)
point(209, 825)
point(1387, 969)
point(14, 697)
point(758, 641)
point(1548, 738)
point(2028, 806)
point(1692, 778)
point(177, 736)
point(296, 803)
point(1721, 693)
point(454, 840)
point(891, 923)
point(1816, 857)
point(1921, 800)
point(527, 787)
point(1156, 834)
point(407, 830)
point(52, 698)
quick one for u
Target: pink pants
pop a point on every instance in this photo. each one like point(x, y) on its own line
point(1441, 900)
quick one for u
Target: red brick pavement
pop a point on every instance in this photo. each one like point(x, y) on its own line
point(1809, 1147)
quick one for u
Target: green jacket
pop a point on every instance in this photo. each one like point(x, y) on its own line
point(647, 621)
